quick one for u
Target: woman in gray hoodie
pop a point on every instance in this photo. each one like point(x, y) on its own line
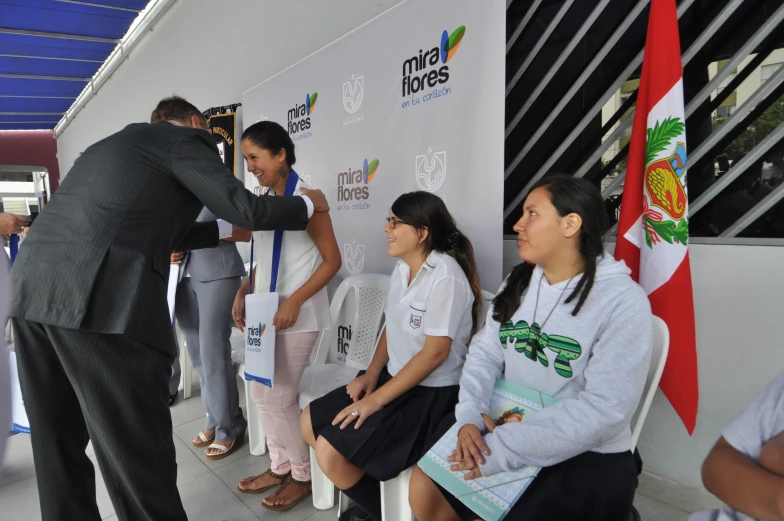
point(568, 322)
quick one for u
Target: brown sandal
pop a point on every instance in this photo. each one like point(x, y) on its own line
point(261, 490)
point(287, 482)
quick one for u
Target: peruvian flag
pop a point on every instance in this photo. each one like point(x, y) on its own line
point(653, 230)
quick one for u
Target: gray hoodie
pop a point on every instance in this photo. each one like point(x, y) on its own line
point(596, 364)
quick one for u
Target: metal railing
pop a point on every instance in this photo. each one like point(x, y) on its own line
point(703, 101)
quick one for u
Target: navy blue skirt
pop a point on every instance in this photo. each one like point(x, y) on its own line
point(392, 439)
point(590, 486)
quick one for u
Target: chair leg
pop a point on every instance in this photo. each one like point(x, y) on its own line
point(323, 489)
point(186, 367)
point(256, 437)
point(344, 503)
point(394, 498)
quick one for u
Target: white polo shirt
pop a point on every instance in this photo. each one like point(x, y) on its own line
point(437, 303)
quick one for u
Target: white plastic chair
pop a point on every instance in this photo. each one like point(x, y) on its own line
point(257, 440)
point(394, 493)
point(329, 370)
point(186, 366)
point(661, 346)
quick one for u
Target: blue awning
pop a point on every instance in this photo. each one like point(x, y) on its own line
point(49, 50)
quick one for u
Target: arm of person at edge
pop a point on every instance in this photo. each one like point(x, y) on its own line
point(756, 489)
point(196, 165)
point(746, 467)
point(323, 235)
point(594, 416)
point(432, 355)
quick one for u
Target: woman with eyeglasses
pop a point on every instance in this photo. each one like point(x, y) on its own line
point(577, 327)
point(378, 425)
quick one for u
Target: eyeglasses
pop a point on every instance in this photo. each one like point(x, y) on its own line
point(394, 221)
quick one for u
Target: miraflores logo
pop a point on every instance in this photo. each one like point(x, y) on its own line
point(431, 170)
point(417, 78)
point(299, 118)
point(353, 186)
point(353, 95)
point(354, 257)
point(353, 92)
point(253, 341)
point(344, 337)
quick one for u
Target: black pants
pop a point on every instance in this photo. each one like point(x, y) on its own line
point(113, 390)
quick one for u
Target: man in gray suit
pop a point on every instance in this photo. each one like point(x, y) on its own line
point(93, 335)
point(210, 281)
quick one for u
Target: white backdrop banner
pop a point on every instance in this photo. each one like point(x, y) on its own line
point(411, 100)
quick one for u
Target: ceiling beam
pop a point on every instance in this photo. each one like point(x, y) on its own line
point(35, 97)
point(102, 6)
point(35, 77)
point(30, 114)
point(63, 36)
point(49, 58)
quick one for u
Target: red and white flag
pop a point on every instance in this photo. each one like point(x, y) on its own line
point(653, 229)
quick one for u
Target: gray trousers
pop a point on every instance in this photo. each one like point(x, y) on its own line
point(203, 312)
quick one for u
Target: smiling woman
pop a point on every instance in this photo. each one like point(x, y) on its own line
point(309, 259)
point(380, 424)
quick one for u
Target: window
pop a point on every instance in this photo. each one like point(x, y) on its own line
point(768, 71)
point(725, 111)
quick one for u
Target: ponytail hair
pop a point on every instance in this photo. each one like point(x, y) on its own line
point(568, 195)
point(425, 210)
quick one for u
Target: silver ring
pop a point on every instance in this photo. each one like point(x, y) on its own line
point(354, 413)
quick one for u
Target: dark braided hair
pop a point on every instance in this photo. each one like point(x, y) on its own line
point(568, 195)
point(426, 210)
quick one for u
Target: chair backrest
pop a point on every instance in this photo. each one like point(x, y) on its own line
point(365, 321)
point(661, 346)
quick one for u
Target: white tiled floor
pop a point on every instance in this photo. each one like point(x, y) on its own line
point(208, 488)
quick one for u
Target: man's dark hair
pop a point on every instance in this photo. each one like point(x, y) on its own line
point(176, 109)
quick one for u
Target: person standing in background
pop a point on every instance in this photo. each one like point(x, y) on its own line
point(9, 224)
point(210, 280)
point(5, 371)
point(90, 314)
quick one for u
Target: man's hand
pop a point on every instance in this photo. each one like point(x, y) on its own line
point(11, 223)
point(176, 257)
point(318, 199)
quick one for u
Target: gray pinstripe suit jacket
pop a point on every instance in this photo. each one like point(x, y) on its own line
point(97, 257)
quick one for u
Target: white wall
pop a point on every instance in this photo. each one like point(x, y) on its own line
point(738, 303)
point(242, 45)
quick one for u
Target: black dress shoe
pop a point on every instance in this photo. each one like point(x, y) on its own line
point(172, 399)
point(348, 515)
point(634, 515)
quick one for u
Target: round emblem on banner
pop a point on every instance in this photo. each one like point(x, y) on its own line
point(431, 170)
point(354, 257)
point(353, 93)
